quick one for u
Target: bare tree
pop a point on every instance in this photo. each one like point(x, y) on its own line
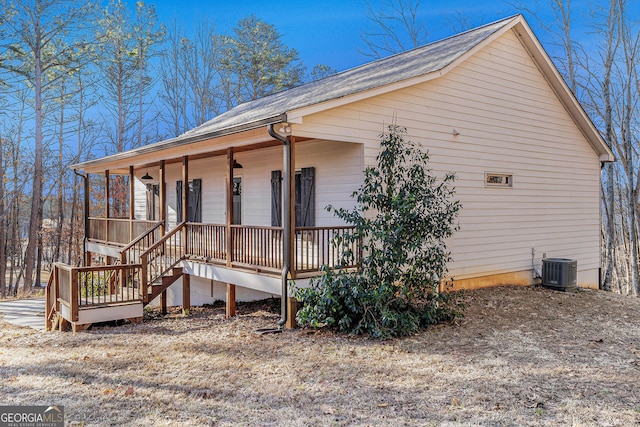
point(37, 28)
point(148, 35)
point(396, 27)
point(173, 79)
point(204, 74)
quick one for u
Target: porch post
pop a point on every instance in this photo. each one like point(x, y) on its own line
point(231, 289)
point(292, 207)
point(230, 308)
point(186, 294)
point(86, 220)
point(132, 201)
point(107, 191)
point(163, 218)
point(185, 198)
point(229, 200)
point(163, 198)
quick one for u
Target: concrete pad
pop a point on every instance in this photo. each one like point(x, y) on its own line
point(27, 312)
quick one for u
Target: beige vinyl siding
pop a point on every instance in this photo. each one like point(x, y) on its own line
point(509, 121)
point(338, 169)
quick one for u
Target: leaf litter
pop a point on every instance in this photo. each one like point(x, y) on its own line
point(521, 356)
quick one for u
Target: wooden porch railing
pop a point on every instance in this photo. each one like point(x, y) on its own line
point(131, 253)
point(162, 256)
point(92, 286)
point(253, 247)
point(257, 246)
point(207, 241)
point(117, 230)
point(318, 246)
point(261, 247)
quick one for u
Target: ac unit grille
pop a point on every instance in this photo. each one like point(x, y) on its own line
point(560, 274)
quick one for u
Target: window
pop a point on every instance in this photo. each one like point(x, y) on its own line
point(153, 202)
point(304, 198)
point(498, 180)
point(194, 201)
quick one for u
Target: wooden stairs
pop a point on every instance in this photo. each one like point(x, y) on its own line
point(161, 284)
point(80, 296)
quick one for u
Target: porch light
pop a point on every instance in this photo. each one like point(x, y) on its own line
point(284, 128)
point(236, 165)
point(146, 177)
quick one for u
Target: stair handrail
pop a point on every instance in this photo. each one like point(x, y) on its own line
point(124, 258)
point(144, 258)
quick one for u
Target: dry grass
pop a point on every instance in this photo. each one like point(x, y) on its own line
point(521, 356)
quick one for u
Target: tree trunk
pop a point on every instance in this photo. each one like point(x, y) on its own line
point(3, 231)
point(35, 224)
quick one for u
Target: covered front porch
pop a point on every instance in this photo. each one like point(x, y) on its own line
point(163, 239)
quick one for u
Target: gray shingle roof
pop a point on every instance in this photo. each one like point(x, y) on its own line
point(272, 109)
point(416, 62)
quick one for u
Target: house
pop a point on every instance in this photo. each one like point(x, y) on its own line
point(234, 209)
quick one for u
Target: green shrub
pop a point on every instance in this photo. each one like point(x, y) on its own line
point(403, 217)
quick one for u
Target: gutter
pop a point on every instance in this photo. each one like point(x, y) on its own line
point(181, 140)
point(286, 222)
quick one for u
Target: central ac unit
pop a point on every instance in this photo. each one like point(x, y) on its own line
point(560, 274)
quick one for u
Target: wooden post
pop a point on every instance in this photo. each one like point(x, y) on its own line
point(185, 199)
point(74, 295)
point(292, 217)
point(186, 294)
point(87, 230)
point(163, 302)
point(229, 205)
point(231, 300)
point(144, 280)
point(107, 191)
point(163, 198)
point(293, 310)
point(132, 202)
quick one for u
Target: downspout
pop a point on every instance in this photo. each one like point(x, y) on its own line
point(85, 178)
point(286, 221)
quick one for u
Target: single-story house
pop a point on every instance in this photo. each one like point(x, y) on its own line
point(235, 208)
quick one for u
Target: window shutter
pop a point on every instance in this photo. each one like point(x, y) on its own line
point(179, 201)
point(195, 210)
point(276, 198)
point(307, 185)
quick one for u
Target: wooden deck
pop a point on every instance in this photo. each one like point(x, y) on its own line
point(145, 267)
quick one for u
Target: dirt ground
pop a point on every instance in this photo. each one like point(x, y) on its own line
point(521, 356)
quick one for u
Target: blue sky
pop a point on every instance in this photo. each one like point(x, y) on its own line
point(328, 32)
